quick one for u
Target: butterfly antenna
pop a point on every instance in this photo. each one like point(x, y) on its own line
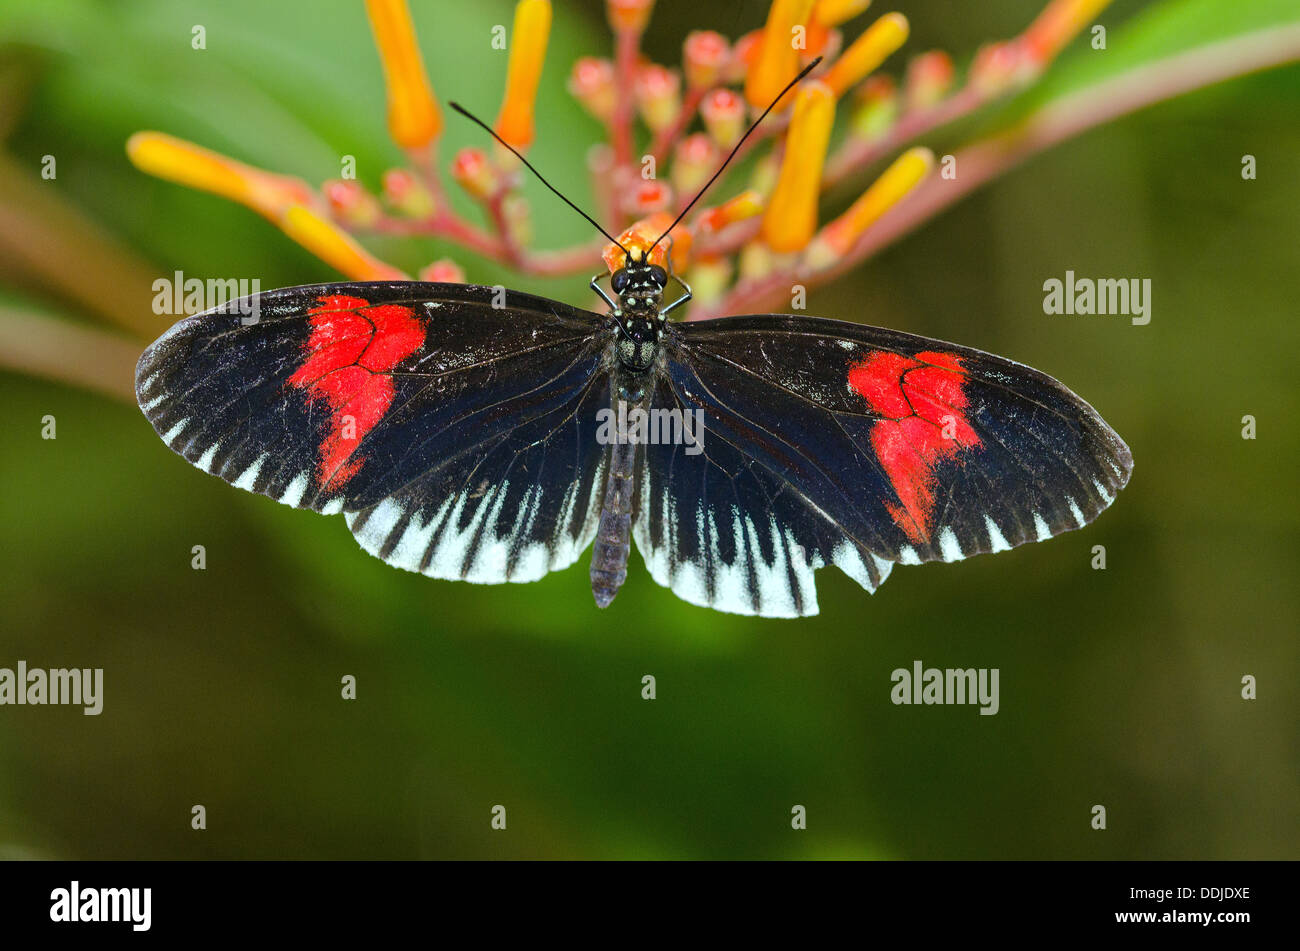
point(736, 148)
point(473, 118)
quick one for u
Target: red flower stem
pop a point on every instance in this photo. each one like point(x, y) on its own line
point(600, 163)
point(627, 45)
point(856, 153)
point(664, 140)
point(448, 225)
point(581, 259)
point(425, 162)
point(445, 223)
point(577, 259)
point(512, 254)
point(728, 241)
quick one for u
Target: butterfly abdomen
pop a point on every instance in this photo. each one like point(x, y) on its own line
point(613, 536)
point(614, 533)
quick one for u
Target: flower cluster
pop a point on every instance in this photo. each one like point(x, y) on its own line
point(667, 130)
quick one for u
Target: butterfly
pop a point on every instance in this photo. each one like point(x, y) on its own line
point(460, 439)
point(473, 433)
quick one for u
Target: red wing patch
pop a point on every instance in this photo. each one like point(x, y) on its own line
point(923, 400)
point(351, 350)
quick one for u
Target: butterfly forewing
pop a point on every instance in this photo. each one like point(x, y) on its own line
point(835, 443)
point(457, 435)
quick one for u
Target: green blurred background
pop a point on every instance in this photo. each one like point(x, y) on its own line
point(222, 687)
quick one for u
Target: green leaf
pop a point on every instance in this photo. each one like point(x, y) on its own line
point(1158, 31)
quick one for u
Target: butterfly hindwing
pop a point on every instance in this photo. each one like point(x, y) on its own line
point(858, 447)
point(419, 409)
point(725, 532)
point(514, 507)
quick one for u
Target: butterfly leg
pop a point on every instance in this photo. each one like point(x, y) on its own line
point(681, 300)
point(595, 286)
point(686, 287)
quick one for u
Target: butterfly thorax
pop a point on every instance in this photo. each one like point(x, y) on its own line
point(639, 317)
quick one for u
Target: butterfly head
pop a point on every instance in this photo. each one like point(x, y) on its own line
point(639, 285)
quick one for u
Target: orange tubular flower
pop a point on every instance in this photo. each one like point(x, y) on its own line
point(694, 160)
point(527, 54)
point(336, 248)
point(1057, 25)
point(705, 55)
point(474, 173)
point(628, 16)
point(999, 66)
point(647, 198)
point(777, 60)
point(830, 13)
point(838, 237)
point(414, 119)
point(188, 164)
point(929, 77)
point(404, 191)
point(351, 204)
point(723, 113)
point(745, 205)
point(658, 94)
point(639, 237)
point(867, 52)
point(876, 107)
point(592, 84)
point(791, 216)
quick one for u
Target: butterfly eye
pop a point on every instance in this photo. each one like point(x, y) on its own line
point(658, 275)
point(619, 281)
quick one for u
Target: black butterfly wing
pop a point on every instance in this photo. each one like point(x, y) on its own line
point(724, 530)
point(828, 442)
point(458, 436)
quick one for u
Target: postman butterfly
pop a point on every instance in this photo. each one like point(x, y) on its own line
point(458, 430)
